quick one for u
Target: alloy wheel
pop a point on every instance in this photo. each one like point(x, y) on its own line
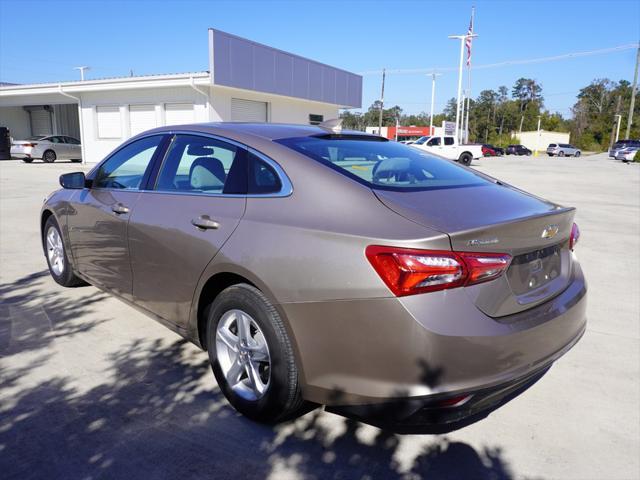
point(55, 251)
point(243, 354)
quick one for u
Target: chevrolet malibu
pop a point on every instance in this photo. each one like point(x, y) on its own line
point(318, 266)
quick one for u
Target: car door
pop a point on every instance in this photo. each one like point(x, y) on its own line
point(177, 227)
point(98, 217)
point(73, 146)
point(60, 147)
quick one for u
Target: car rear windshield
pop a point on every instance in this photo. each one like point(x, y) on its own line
point(384, 165)
point(36, 137)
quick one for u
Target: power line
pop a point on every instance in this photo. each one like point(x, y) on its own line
point(555, 58)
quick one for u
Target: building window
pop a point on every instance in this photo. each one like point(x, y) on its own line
point(109, 124)
point(315, 119)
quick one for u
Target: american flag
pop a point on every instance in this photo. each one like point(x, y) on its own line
point(468, 41)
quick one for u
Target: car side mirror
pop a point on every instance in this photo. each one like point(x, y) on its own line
point(74, 180)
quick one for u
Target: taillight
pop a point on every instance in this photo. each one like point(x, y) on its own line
point(29, 144)
point(575, 236)
point(407, 271)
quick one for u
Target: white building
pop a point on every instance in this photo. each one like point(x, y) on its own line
point(248, 82)
point(540, 140)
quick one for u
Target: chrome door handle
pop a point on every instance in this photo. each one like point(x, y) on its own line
point(204, 222)
point(119, 209)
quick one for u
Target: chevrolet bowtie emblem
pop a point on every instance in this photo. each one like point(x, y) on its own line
point(550, 231)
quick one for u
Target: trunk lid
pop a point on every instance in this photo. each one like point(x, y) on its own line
point(498, 218)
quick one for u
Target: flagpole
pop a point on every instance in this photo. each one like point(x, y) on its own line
point(466, 129)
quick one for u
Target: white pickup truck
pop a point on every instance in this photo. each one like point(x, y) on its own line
point(448, 147)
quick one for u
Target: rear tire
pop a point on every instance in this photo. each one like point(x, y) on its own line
point(49, 156)
point(465, 159)
point(278, 397)
point(561, 154)
point(56, 255)
point(76, 160)
point(27, 160)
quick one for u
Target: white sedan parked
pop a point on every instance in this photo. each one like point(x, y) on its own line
point(49, 148)
point(626, 154)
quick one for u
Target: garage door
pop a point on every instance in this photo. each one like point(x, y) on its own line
point(40, 122)
point(109, 122)
point(178, 113)
point(142, 118)
point(248, 110)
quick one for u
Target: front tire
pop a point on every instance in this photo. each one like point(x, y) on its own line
point(577, 154)
point(49, 156)
point(252, 357)
point(56, 254)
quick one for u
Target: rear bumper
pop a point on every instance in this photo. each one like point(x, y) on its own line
point(377, 351)
point(428, 415)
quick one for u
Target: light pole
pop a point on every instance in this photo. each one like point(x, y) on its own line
point(538, 137)
point(82, 69)
point(433, 98)
point(618, 122)
point(462, 39)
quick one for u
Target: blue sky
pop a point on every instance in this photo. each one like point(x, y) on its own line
point(43, 41)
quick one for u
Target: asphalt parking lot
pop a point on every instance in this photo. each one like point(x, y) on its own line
point(90, 388)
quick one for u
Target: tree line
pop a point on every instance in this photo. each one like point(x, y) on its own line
point(496, 116)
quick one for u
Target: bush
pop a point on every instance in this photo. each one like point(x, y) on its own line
point(636, 157)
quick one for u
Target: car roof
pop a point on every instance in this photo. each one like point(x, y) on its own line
point(268, 131)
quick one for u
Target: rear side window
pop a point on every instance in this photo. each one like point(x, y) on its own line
point(384, 165)
point(263, 178)
point(448, 140)
point(198, 164)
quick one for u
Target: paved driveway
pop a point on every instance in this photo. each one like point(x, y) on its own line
point(90, 388)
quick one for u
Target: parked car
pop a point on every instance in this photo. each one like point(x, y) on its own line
point(518, 150)
point(489, 150)
point(627, 154)
point(448, 147)
point(562, 150)
point(49, 148)
point(322, 266)
point(621, 144)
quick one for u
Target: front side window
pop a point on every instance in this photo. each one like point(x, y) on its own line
point(201, 165)
point(434, 142)
point(126, 168)
point(384, 165)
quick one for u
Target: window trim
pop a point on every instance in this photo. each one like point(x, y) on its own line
point(285, 191)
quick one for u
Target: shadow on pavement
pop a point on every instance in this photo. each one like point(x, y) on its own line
point(32, 314)
point(158, 414)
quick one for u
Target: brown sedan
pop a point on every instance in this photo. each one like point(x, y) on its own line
point(319, 266)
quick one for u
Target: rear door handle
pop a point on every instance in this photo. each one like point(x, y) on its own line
point(119, 209)
point(204, 222)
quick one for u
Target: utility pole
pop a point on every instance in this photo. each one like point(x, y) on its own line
point(633, 96)
point(433, 98)
point(82, 69)
point(462, 39)
point(381, 104)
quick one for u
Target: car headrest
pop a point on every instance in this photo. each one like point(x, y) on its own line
point(207, 173)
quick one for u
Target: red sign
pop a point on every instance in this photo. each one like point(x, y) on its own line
point(408, 132)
